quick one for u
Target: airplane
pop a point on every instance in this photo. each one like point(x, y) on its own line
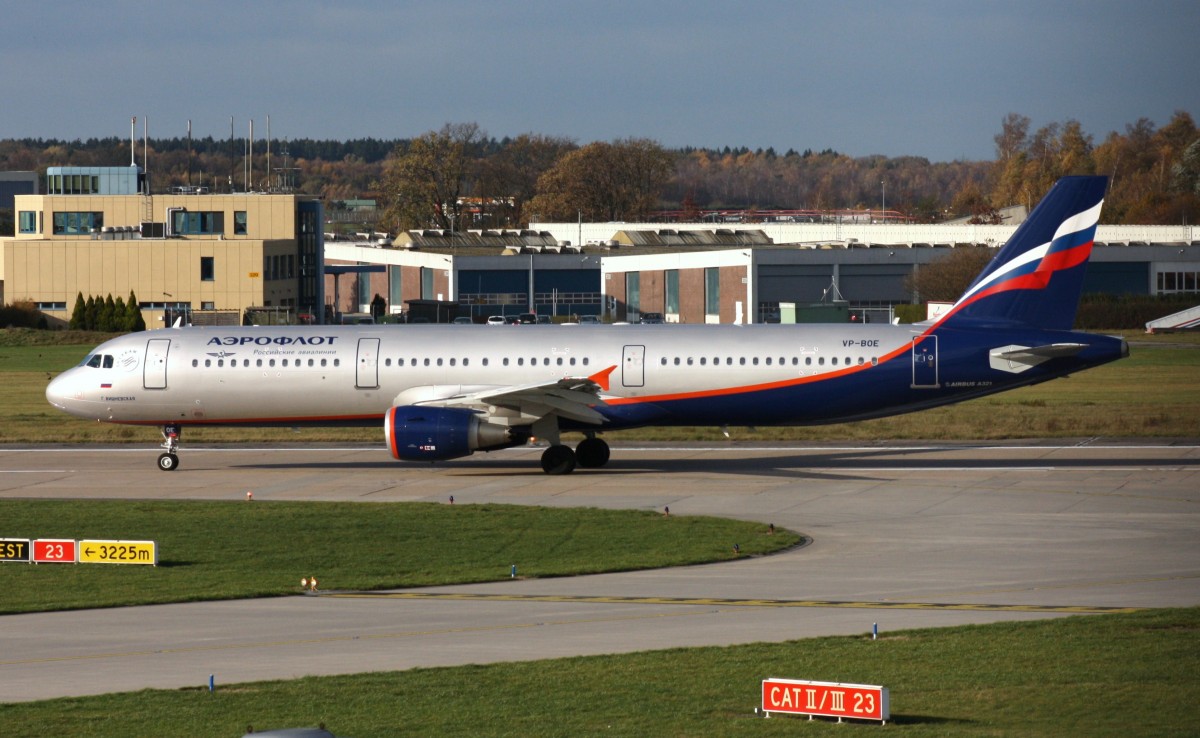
point(446, 391)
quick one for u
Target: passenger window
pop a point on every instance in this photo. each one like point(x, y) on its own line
point(520, 361)
point(559, 361)
point(676, 361)
point(258, 362)
point(689, 361)
point(768, 361)
point(742, 361)
point(207, 363)
point(703, 361)
point(807, 361)
point(271, 362)
point(505, 361)
point(453, 361)
point(585, 361)
point(572, 361)
point(466, 362)
point(322, 362)
point(755, 361)
point(285, 362)
point(663, 361)
point(386, 362)
point(439, 361)
point(220, 363)
point(311, 362)
point(485, 362)
point(337, 362)
point(821, 361)
point(195, 363)
point(426, 362)
point(833, 361)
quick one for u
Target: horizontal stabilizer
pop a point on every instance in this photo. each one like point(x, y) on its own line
point(1017, 359)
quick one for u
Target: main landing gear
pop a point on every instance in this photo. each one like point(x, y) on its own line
point(169, 461)
point(591, 453)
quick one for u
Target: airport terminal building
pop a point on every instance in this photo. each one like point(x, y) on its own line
point(96, 231)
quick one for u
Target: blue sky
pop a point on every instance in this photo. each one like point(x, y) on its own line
point(924, 77)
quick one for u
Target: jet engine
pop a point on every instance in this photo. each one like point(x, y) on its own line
point(417, 433)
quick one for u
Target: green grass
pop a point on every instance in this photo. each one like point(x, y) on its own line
point(1155, 393)
point(1109, 675)
point(223, 550)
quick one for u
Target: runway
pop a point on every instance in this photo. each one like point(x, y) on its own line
point(902, 536)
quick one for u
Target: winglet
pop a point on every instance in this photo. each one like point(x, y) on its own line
point(601, 377)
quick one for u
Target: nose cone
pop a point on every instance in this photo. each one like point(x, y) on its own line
point(60, 392)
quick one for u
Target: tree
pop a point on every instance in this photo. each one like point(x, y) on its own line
point(948, 278)
point(508, 179)
point(78, 315)
point(602, 181)
point(133, 314)
point(424, 182)
point(90, 311)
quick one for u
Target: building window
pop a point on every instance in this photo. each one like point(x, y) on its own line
point(712, 291)
point(186, 223)
point(208, 306)
point(671, 289)
point(207, 270)
point(73, 224)
point(239, 222)
point(28, 221)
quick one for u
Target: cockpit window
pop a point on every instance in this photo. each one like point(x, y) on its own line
point(108, 361)
point(93, 361)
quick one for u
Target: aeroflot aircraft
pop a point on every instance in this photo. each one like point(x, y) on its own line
point(442, 392)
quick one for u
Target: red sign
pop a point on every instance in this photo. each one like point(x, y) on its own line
point(53, 551)
point(826, 699)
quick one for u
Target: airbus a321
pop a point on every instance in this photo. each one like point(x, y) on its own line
point(444, 392)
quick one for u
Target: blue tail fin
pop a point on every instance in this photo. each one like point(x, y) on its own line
point(1037, 277)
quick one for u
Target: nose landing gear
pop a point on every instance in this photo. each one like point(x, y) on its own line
point(169, 461)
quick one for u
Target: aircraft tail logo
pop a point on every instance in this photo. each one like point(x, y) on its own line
point(1037, 278)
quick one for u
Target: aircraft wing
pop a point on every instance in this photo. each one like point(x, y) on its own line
point(574, 398)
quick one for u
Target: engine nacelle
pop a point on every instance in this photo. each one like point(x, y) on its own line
point(417, 433)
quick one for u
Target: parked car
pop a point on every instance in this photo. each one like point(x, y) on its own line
point(462, 320)
point(589, 320)
point(651, 318)
point(527, 318)
point(512, 320)
point(496, 320)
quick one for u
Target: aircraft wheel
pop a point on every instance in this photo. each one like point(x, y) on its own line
point(592, 453)
point(558, 460)
point(168, 462)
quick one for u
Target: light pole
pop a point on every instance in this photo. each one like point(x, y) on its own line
point(883, 200)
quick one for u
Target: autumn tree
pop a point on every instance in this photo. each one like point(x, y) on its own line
point(508, 179)
point(425, 180)
point(604, 181)
point(946, 279)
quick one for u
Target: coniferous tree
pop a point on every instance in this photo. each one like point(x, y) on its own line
point(78, 315)
point(89, 314)
point(133, 314)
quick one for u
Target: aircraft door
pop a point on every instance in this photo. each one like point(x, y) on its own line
point(154, 371)
point(925, 362)
point(633, 366)
point(367, 376)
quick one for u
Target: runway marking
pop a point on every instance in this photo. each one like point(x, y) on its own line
point(342, 639)
point(720, 602)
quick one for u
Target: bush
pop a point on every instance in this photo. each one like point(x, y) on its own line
point(21, 315)
point(1128, 312)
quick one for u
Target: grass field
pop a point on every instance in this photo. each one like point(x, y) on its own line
point(1105, 675)
point(1154, 393)
point(224, 550)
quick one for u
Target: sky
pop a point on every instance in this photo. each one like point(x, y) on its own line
point(929, 78)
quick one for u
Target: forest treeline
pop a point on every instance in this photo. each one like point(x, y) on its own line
point(460, 176)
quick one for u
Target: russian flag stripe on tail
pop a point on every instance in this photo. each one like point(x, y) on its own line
point(1037, 278)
